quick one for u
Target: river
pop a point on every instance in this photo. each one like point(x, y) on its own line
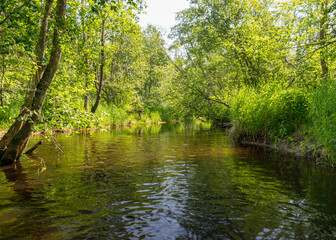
point(181, 181)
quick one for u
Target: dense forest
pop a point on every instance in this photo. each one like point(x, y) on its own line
point(266, 68)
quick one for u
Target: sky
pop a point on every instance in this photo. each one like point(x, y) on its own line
point(162, 13)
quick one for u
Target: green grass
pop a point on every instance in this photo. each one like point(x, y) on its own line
point(69, 117)
point(269, 112)
point(322, 129)
point(272, 113)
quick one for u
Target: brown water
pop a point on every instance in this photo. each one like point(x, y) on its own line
point(164, 182)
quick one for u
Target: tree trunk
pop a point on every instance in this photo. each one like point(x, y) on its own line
point(86, 62)
point(40, 54)
point(101, 77)
point(86, 65)
point(2, 79)
point(13, 146)
point(322, 37)
point(86, 97)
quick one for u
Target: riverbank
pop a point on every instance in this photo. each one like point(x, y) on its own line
point(289, 148)
point(297, 120)
point(72, 120)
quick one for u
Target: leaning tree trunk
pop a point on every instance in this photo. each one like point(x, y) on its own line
point(102, 64)
point(13, 145)
point(40, 53)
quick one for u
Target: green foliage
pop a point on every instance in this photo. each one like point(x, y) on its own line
point(113, 115)
point(263, 65)
point(64, 117)
point(7, 114)
point(269, 112)
point(323, 116)
point(164, 114)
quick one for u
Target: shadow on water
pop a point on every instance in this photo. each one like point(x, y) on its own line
point(182, 181)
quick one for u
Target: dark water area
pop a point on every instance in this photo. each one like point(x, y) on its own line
point(164, 182)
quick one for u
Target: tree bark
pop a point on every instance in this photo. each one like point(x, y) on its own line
point(85, 60)
point(102, 64)
point(2, 79)
point(86, 97)
point(12, 148)
point(40, 51)
point(322, 38)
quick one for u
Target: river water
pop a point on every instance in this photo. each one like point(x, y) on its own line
point(177, 181)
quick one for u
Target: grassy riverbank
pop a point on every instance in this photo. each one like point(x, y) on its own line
point(65, 118)
point(301, 119)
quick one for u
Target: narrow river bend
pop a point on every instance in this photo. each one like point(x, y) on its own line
point(164, 182)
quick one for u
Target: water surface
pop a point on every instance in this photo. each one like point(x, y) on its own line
point(164, 182)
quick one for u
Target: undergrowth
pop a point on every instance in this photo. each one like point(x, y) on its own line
point(322, 129)
point(8, 113)
point(65, 117)
point(273, 114)
point(269, 113)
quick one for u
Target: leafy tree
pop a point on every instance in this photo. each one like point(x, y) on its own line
point(53, 22)
point(16, 139)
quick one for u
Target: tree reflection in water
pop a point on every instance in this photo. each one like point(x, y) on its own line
point(14, 173)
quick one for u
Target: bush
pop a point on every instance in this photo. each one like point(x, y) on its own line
point(116, 115)
point(64, 117)
point(269, 112)
point(8, 113)
point(323, 116)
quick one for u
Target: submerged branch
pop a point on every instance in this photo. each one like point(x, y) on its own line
point(34, 147)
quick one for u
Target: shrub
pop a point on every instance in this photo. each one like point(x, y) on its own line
point(8, 113)
point(269, 112)
point(323, 116)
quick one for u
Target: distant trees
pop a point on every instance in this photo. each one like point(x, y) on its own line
point(225, 46)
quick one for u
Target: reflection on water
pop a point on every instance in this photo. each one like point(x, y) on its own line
point(164, 182)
